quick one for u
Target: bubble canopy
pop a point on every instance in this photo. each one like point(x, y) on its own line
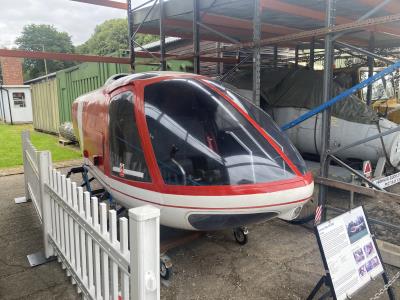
point(201, 138)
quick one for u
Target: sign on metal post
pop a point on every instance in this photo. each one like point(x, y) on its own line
point(350, 254)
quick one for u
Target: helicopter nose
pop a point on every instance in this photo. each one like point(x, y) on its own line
point(210, 222)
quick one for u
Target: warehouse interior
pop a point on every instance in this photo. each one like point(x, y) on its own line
point(242, 42)
point(269, 34)
point(326, 60)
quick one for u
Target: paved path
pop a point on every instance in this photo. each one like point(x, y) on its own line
point(20, 234)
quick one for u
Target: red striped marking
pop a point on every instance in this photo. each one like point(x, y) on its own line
point(104, 182)
point(211, 208)
point(318, 214)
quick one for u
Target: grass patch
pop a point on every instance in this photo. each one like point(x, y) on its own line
point(11, 150)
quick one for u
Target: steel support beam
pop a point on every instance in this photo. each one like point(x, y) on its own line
point(105, 59)
point(145, 50)
point(163, 62)
point(139, 6)
point(327, 93)
point(131, 36)
point(370, 62)
point(370, 13)
point(227, 60)
point(312, 54)
point(219, 54)
point(377, 7)
point(296, 56)
point(355, 172)
point(256, 52)
point(272, 5)
point(226, 75)
point(225, 24)
point(106, 3)
point(314, 33)
point(383, 196)
point(298, 10)
point(390, 6)
point(363, 51)
point(145, 18)
point(64, 56)
point(247, 25)
point(196, 37)
point(219, 33)
point(370, 138)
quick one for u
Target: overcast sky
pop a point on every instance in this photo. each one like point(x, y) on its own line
point(77, 19)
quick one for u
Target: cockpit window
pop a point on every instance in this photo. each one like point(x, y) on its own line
point(126, 154)
point(199, 138)
point(266, 122)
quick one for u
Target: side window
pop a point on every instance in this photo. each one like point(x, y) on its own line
point(19, 99)
point(126, 153)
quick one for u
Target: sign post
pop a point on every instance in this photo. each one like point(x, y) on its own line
point(350, 255)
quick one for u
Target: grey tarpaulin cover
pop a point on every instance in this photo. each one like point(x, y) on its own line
point(303, 88)
point(67, 131)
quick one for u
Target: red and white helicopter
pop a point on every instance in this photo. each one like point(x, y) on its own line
point(204, 155)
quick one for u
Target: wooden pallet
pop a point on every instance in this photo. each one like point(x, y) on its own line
point(65, 142)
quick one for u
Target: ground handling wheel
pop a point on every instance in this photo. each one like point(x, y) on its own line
point(240, 235)
point(165, 267)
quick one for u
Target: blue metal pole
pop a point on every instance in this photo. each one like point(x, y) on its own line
point(341, 96)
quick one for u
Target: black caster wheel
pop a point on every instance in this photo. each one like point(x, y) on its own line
point(165, 268)
point(240, 235)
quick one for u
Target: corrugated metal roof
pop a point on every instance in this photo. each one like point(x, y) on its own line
point(41, 78)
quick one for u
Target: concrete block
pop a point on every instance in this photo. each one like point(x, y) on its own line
point(390, 253)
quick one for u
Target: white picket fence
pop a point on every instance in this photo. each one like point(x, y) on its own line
point(103, 261)
point(33, 159)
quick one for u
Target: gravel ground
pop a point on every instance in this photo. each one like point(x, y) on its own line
point(281, 260)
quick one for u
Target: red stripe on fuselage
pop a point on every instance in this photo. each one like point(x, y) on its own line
point(213, 208)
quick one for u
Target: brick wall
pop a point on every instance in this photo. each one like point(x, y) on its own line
point(11, 69)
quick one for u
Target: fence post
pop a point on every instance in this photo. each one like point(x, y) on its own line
point(144, 240)
point(25, 136)
point(44, 163)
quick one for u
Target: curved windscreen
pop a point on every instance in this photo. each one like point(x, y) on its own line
point(199, 138)
point(266, 122)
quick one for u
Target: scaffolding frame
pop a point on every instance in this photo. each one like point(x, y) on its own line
point(335, 27)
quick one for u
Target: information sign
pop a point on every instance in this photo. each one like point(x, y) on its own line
point(349, 252)
point(388, 181)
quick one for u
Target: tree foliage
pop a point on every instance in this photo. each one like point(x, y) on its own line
point(111, 37)
point(48, 38)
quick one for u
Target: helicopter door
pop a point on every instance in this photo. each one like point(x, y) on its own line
point(126, 153)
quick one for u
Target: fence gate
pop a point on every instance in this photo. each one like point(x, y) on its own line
point(105, 256)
